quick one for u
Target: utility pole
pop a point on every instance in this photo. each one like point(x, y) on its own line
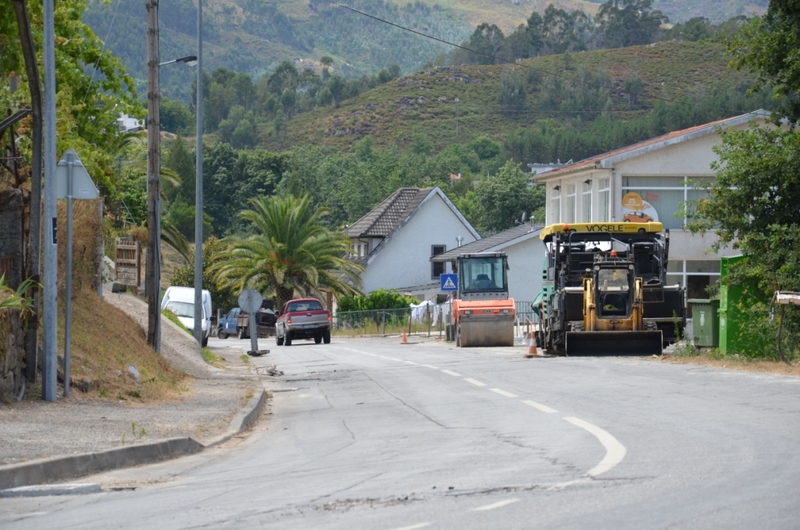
point(198, 201)
point(153, 264)
point(50, 284)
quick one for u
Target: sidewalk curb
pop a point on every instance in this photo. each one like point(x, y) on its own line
point(49, 470)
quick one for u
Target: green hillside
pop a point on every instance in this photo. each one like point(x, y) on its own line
point(254, 36)
point(452, 105)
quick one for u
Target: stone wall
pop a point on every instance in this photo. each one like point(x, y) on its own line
point(12, 355)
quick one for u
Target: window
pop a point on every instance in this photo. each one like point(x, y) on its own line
point(586, 203)
point(604, 200)
point(555, 205)
point(571, 196)
point(666, 195)
point(437, 269)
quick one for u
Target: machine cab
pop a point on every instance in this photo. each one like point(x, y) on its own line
point(483, 276)
point(613, 288)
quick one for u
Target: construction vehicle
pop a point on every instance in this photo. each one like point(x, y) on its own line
point(483, 312)
point(605, 292)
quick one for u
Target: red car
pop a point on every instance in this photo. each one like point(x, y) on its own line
point(303, 318)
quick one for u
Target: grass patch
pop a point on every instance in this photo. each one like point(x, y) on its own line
point(245, 358)
point(105, 341)
point(213, 359)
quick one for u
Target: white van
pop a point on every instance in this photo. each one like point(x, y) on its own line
point(180, 300)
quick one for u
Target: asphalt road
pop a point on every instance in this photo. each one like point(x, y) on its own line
point(372, 434)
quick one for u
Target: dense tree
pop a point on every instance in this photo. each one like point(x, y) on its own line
point(180, 160)
point(768, 47)
point(486, 45)
point(504, 197)
point(291, 253)
point(629, 22)
point(511, 93)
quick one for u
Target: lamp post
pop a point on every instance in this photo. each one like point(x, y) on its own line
point(198, 199)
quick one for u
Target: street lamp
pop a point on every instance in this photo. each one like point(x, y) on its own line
point(198, 199)
point(191, 60)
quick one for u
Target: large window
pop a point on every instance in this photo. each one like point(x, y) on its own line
point(697, 276)
point(666, 195)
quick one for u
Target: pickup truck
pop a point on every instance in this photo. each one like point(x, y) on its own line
point(303, 318)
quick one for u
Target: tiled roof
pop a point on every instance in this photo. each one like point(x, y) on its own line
point(388, 215)
point(493, 241)
point(607, 159)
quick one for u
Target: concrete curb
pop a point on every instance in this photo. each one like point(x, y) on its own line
point(48, 470)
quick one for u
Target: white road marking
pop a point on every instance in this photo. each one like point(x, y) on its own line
point(543, 408)
point(430, 366)
point(392, 359)
point(411, 362)
point(413, 526)
point(495, 505)
point(503, 392)
point(448, 372)
point(615, 451)
point(474, 381)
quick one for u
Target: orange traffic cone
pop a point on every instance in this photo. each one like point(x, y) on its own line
point(532, 351)
point(404, 339)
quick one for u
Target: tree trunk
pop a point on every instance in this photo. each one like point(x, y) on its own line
point(282, 295)
point(35, 236)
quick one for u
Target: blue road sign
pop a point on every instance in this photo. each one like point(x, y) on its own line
point(449, 282)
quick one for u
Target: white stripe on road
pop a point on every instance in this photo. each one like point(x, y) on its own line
point(503, 392)
point(615, 451)
point(411, 362)
point(413, 527)
point(429, 366)
point(448, 372)
point(543, 408)
point(474, 381)
point(495, 505)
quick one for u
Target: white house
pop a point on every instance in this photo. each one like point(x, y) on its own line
point(525, 253)
point(395, 241)
point(649, 180)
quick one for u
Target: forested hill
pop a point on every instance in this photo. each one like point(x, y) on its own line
point(255, 36)
point(687, 82)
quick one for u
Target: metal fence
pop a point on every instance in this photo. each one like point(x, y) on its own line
point(430, 320)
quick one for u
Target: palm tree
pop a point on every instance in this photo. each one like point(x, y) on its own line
point(291, 253)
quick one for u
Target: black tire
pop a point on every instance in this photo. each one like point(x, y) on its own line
point(278, 340)
point(221, 333)
point(317, 338)
point(326, 336)
point(287, 338)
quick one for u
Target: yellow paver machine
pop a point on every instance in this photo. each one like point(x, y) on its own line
point(604, 290)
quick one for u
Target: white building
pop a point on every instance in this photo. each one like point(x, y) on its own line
point(650, 180)
point(395, 241)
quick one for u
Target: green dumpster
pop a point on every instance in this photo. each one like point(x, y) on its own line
point(705, 322)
